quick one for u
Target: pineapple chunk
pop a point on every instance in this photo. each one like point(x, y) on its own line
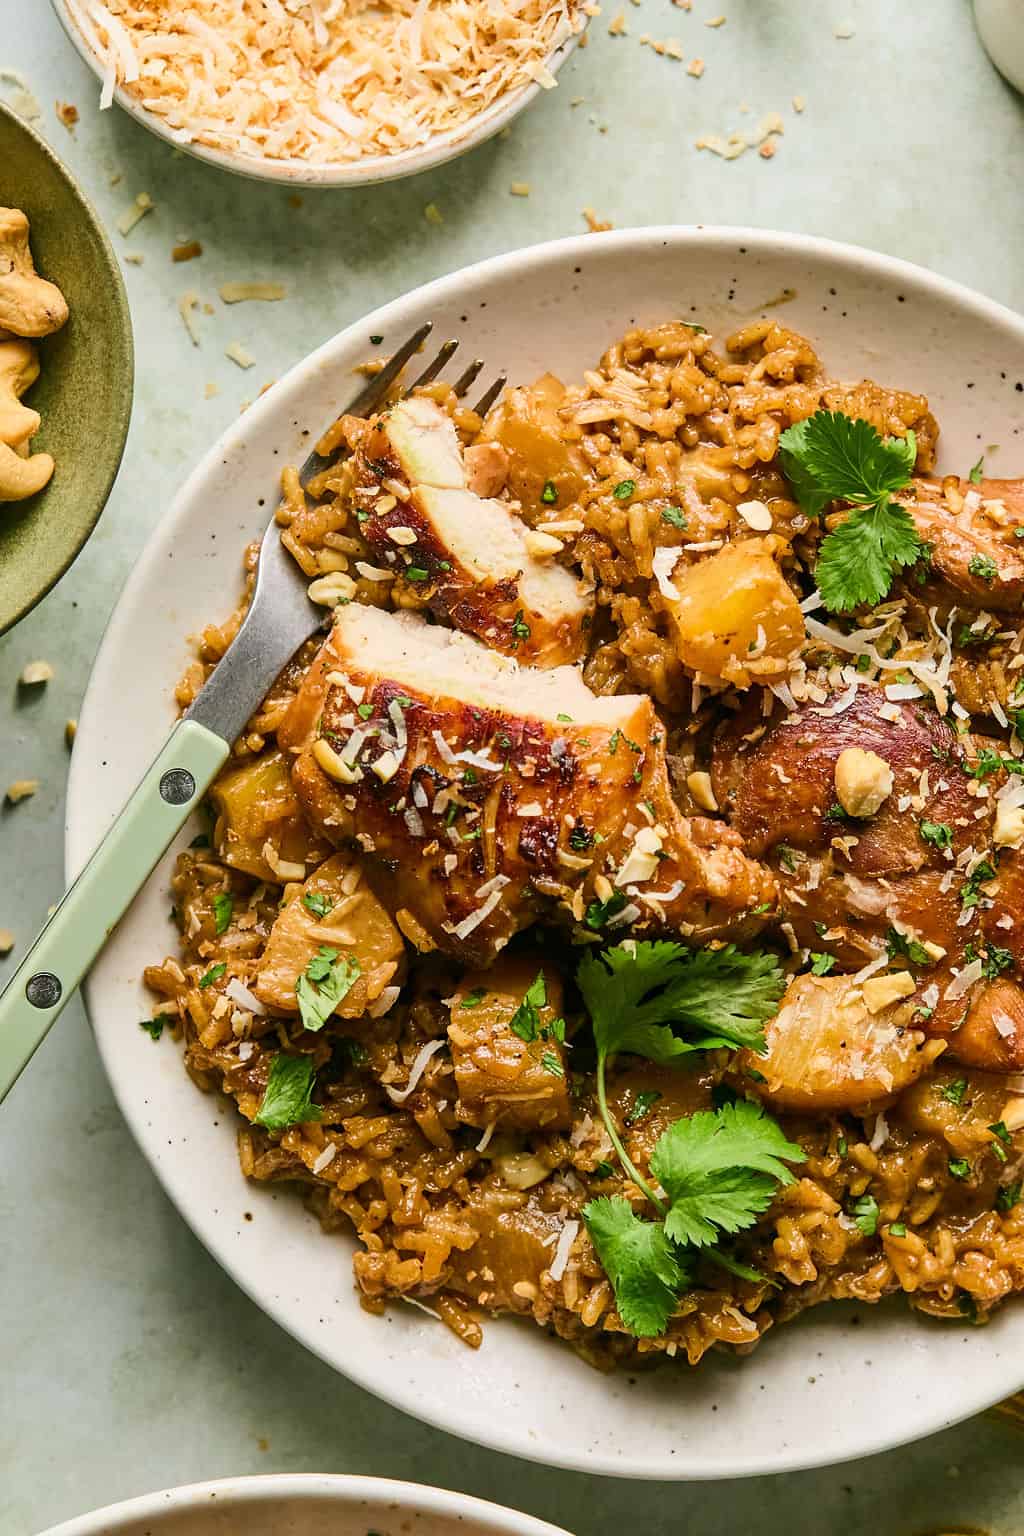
point(501, 1077)
point(353, 922)
point(260, 828)
point(734, 614)
point(827, 1051)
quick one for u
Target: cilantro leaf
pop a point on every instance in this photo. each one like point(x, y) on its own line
point(635, 993)
point(286, 1099)
point(647, 1275)
point(325, 981)
point(856, 561)
point(525, 1022)
point(720, 1169)
point(317, 903)
point(831, 457)
point(864, 1211)
point(223, 906)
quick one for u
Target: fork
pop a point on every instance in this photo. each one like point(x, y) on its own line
point(280, 618)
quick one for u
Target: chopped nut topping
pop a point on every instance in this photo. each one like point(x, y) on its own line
point(863, 781)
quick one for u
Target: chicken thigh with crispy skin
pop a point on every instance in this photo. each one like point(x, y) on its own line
point(487, 795)
point(918, 877)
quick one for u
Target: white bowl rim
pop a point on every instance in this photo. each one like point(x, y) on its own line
point(438, 150)
point(975, 1396)
point(412, 1498)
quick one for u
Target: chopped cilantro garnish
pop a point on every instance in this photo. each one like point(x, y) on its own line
point(286, 1099)
point(842, 1146)
point(598, 912)
point(364, 711)
point(676, 516)
point(760, 909)
point(959, 1167)
point(956, 1091)
point(864, 1211)
point(936, 833)
point(787, 858)
point(323, 984)
point(970, 891)
point(416, 573)
point(624, 490)
point(822, 964)
point(549, 495)
point(375, 341)
point(832, 457)
point(223, 906)
point(581, 839)
point(520, 628)
point(550, 1062)
point(525, 1022)
point(977, 471)
point(154, 1027)
point(1008, 1196)
point(642, 1106)
point(603, 1171)
point(984, 567)
point(565, 719)
point(897, 1229)
point(474, 999)
point(213, 974)
point(317, 903)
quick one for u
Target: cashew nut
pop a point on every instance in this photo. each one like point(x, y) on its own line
point(19, 369)
point(22, 477)
point(29, 305)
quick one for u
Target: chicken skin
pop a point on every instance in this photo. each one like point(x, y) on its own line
point(917, 878)
point(488, 796)
point(478, 564)
point(975, 557)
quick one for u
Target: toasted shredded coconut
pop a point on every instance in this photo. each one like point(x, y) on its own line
point(304, 81)
point(566, 1238)
point(239, 993)
point(416, 1071)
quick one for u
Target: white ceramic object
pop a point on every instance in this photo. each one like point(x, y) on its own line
point(301, 173)
point(304, 1505)
point(836, 1384)
point(1001, 28)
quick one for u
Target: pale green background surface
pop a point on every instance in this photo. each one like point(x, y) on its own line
point(128, 1361)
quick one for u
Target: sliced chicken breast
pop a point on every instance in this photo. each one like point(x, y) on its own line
point(489, 795)
point(475, 560)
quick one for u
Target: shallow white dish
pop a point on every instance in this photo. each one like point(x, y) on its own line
point(439, 149)
point(818, 1391)
point(304, 1505)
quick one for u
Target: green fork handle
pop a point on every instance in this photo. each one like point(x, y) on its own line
point(94, 905)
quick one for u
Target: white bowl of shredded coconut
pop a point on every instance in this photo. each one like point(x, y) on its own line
point(323, 92)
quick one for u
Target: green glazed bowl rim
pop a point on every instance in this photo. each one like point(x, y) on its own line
point(122, 383)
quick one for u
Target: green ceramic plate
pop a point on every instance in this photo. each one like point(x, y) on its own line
point(84, 392)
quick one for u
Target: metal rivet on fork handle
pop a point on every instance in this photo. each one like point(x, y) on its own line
point(177, 786)
point(43, 990)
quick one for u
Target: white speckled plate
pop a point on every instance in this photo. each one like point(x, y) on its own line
point(305, 1505)
point(838, 1383)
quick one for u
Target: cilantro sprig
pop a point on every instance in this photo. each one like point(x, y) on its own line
point(831, 457)
point(719, 1169)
